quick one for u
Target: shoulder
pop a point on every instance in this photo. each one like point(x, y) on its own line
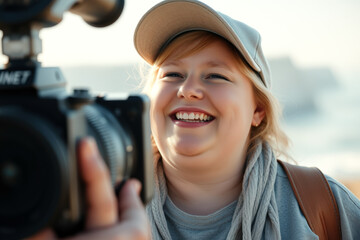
point(290, 213)
point(349, 209)
point(342, 194)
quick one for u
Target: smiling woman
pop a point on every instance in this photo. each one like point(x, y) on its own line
point(198, 88)
point(216, 133)
point(200, 80)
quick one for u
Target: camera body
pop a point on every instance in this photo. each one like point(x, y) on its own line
point(41, 124)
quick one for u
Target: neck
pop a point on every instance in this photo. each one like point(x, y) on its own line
point(205, 194)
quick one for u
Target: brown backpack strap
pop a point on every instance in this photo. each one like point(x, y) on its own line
point(315, 199)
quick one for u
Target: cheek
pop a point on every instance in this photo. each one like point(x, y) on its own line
point(160, 100)
point(160, 97)
point(239, 109)
point(155, 110)
point(157, 96)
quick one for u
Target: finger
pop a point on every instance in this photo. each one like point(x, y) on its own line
point(46, 234)
point(101, 200)
point(129, 199)
point(131, 209)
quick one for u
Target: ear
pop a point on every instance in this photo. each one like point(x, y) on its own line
point(258, 116)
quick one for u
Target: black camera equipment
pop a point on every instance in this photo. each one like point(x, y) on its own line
point(40, 124)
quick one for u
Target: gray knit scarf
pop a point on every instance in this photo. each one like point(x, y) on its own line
point(256, 214)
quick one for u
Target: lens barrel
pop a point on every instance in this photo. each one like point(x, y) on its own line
point(33, 178)
point(113, 141)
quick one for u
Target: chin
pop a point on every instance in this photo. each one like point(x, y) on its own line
point(191, 163)
point(189, 149)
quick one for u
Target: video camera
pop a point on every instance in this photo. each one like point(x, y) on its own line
point(40, 124)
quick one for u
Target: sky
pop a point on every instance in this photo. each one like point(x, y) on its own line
point(312, 33)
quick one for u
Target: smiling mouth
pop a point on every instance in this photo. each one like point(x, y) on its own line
point(192, 117)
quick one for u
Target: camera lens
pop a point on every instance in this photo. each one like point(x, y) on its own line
point(32, 173)
point(114, 142)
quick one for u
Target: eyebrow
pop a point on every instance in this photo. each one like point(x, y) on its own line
point(221, 64)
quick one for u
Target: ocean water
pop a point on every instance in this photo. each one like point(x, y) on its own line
point(327, 137)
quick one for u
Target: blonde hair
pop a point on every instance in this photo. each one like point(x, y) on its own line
point(269, 130)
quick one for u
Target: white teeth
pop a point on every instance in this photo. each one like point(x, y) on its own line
point(192, 116)
point(201, 116)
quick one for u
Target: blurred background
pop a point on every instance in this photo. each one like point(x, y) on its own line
point(312, 47)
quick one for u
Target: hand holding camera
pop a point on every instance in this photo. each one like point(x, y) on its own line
point(107, 217)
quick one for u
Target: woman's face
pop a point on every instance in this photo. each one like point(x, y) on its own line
point(202, 109)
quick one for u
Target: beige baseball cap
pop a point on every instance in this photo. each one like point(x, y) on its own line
point(168, 19)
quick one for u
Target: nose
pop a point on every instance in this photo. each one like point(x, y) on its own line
point(191, 89)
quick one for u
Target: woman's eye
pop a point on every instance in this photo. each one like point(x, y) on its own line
point(173, 74)
point(217, 76)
